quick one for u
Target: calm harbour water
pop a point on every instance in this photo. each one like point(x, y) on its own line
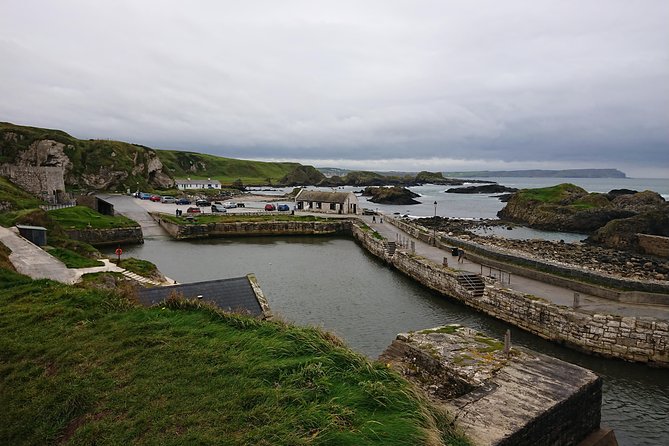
point(331, 282)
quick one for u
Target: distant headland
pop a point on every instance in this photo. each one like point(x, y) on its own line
point(540, 173)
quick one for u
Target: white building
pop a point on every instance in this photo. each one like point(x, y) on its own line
point(327, 202)
point(189, 184)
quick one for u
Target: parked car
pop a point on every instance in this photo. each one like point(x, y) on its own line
point(183, 200)
point(193, 210)
point(283, 207)
point(216, 208)
point(167, 199)
point(270, 207)
point(241, 205)
point(366, 211)
point(144, 195)
point(155, 198)
point(229, 205)
point(202, 202)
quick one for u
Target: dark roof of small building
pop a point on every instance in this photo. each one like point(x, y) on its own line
point(323, 197)
point(37, 228)
point(234, 294)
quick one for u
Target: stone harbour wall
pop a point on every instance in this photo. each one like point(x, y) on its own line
point(637, 339)
point(250, 229)
point(107, 237)
point(561, 275)
point(654, 244)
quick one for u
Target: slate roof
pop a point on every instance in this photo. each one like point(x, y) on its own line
point(228, 294)
point(323, 197)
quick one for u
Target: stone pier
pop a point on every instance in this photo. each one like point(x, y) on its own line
point(500, 397)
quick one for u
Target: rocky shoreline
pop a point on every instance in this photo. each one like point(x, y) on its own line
point(607, 261)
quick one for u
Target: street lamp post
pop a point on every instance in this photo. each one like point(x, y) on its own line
point(434, 228)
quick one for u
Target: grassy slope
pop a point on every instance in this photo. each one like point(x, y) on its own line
point(226, 170)
point(16, 197)
point(82, 366)
point(80, 217)
point(72, 259)
point(565, 194)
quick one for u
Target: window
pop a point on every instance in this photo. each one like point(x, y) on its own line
point(319, 205)
point(333, 206)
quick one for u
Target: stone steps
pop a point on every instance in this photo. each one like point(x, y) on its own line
point(472, 283)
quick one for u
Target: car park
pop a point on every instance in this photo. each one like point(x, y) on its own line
point(167, 199)
point(218, 208)
point(183, 200)
point(193, 210)
point(155, 198)
point(270, 207)
point(283, 207)
point(202, 202)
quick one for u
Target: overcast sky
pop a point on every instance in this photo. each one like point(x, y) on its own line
point(383, 85)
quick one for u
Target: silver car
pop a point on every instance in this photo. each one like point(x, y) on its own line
point(218, 208)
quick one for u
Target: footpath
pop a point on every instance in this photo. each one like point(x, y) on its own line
point(32, 261)
point(555, 294)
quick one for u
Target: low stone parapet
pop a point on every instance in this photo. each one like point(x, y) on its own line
point(501, 397)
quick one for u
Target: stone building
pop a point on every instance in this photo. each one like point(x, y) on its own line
point(45, 182)
point(327, 202)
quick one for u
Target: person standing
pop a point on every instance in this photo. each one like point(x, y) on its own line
point(461, 255)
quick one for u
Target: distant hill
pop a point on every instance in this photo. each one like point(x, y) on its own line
point(539, 173)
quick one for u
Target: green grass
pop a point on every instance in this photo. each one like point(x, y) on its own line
point(552, 194)
point(232, 218)
point(447, 329)
point(138, 266)
point(81, 217)
point(84, 366)
point(16, 197)
point(226, 170)
point(73, 260)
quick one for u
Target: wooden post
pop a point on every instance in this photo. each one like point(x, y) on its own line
point(507, 342)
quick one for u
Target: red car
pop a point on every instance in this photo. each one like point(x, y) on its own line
point(270, 207)
point(155, 198)
point(193, 210)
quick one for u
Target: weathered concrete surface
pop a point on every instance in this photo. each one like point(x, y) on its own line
point(519, 398)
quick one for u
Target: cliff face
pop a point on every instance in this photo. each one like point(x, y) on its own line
point(92, 164)
point(570, 208)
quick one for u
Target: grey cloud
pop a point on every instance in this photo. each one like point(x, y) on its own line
point(517, 81)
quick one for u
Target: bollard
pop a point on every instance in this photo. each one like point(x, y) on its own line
point(413, 247)
point(577, 300)
point(445, 263)
point(507, 342)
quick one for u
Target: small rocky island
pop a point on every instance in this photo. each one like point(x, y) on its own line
point(613, 219)
point(483, 189)
point(390, 195)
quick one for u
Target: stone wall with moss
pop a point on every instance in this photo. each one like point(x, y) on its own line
point(254, 228)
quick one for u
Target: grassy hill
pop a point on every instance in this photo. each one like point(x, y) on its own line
point(85, 366)
point(116, 165)
point(226, 170)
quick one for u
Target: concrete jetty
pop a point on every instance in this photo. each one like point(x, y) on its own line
point(502, 395)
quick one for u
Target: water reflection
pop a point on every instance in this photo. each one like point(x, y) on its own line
point(330, 282)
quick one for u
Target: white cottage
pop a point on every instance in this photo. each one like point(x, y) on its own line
point(327, 202)
point(189, 184)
